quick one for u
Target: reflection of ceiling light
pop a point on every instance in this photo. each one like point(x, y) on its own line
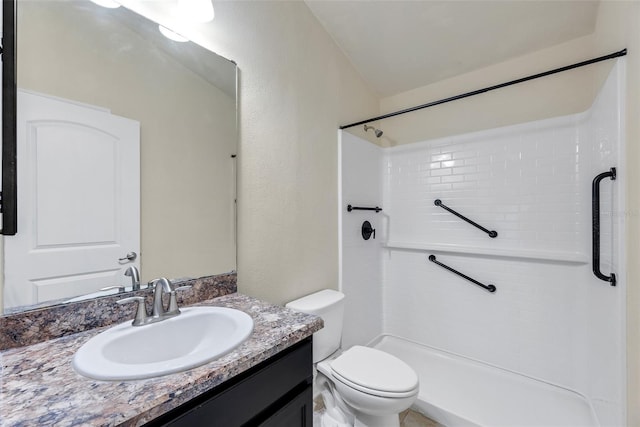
point(196, 10)
point(107, 3)
point(171, 35)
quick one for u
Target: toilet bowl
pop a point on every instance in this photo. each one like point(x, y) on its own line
point(362, 387)
point(373, 385)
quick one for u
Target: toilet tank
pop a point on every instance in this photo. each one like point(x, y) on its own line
point(329, 305)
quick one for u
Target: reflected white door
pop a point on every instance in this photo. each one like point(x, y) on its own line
point(78, 200)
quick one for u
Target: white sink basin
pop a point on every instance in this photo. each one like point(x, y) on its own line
point(195, 337)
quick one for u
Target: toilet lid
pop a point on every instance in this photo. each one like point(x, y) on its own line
point(375, 370)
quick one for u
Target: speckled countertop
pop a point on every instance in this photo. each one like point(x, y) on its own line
point(39, 386)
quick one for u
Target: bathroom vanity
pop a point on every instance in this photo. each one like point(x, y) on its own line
point(277, 392)
point(265, 381)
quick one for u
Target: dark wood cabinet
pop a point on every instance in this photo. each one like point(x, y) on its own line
point(275, 393)
point(298, 412)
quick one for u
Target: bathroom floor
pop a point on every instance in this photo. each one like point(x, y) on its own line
point(408, 418)
point(411, 418)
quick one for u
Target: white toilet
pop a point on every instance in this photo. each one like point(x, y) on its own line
point(361, 387)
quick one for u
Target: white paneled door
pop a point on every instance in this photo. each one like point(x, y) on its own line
point(78, 200)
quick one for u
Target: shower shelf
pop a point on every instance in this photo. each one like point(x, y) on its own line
point(557, 256)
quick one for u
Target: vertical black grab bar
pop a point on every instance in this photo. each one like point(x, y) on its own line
point(595, 223)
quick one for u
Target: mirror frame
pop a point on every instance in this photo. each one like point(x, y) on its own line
point(8, 199)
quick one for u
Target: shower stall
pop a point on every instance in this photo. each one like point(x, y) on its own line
point(510, 328)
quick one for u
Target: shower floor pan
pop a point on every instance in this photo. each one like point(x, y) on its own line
point(459, 392)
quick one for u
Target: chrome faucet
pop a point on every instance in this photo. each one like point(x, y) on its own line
point(159, 286)
point(133, 272)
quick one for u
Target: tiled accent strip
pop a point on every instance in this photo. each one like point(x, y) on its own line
point(31, 327)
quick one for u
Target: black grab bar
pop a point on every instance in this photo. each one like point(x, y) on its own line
point(489, 288)
point(491, 233)
point(359, 208)
point(595, 224)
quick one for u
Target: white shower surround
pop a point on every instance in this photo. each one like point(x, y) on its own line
point(550, 318)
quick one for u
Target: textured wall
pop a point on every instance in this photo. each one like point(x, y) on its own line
point(551, 96)
point(296, 88)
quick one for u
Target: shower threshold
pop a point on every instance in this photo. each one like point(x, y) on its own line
point(459, 392)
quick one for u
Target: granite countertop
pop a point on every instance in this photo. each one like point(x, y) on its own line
point(38, 385)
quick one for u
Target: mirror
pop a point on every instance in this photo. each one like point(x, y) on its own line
point(178, 98)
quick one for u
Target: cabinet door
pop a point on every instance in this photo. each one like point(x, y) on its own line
point(275, 389)
point(297, 413)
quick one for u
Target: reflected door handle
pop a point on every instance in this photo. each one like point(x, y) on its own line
point(131, 256)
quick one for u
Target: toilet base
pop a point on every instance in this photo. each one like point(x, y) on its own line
point(338, 413)
point(360, 420)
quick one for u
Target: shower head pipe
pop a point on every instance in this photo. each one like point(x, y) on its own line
point(378, 132)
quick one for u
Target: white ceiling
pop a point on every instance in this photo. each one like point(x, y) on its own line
point(400, 45)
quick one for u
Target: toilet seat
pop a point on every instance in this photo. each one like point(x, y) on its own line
point(374, 372)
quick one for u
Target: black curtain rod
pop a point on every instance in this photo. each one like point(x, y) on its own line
point(623, 52)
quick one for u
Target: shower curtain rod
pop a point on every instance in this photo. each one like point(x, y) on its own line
point(623, 52)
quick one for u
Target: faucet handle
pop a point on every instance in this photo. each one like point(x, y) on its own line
point(164, 283)
point(141, 311)
point(173, 303)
